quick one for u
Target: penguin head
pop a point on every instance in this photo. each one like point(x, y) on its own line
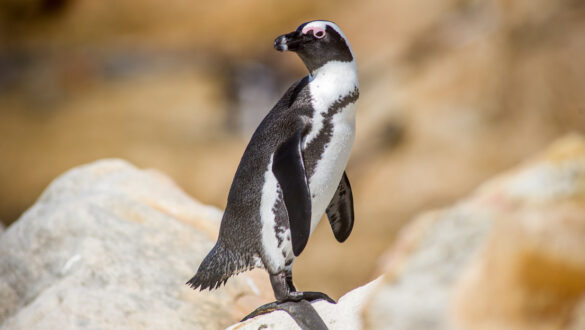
point(316, 43)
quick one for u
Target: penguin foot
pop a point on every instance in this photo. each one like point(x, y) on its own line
point(264, 309)
point(309, 296)
point(285, 304)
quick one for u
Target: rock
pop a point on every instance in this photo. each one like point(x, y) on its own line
point(508, 257)
point(346, 314)
point(535, 254)
point(422, 268)
point(110, 246)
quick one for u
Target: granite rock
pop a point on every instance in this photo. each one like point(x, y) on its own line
point(510, 256)
point(110, 246)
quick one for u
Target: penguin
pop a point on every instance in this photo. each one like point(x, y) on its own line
point(293, 169)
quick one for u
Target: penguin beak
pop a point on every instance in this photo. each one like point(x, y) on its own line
point(290, 41)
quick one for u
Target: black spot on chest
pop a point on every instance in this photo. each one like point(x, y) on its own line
point(312, 154)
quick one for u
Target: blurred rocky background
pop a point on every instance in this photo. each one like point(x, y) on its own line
point(452, 92)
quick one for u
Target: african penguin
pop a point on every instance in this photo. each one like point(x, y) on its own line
point(293, 169)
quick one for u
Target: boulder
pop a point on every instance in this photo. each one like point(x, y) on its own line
point(110, 246)
point(508, 257)
point(530, 274)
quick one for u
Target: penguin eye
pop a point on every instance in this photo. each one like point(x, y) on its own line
point(317, 31)
point(319, 34)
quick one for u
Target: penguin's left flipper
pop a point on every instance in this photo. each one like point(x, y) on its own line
point(289, 169)
point(340, 210)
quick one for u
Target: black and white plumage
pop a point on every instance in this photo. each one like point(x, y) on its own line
point(292, 171)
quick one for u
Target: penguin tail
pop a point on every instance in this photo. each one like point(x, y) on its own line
point(217, 267)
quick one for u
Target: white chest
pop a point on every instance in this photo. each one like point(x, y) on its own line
point(331, 84)
point(330, 167)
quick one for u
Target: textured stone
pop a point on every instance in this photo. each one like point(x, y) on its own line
point(110, 246)
point(531, 273)
point(508, 257)
point(421, 271)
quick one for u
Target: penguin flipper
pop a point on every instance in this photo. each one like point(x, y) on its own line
point(340, 210)
point(289, 169)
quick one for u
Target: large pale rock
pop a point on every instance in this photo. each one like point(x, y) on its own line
point(509, 257)
point(531, 273)
point(421, 270)
point(110, 246)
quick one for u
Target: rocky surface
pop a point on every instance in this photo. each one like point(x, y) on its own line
point(535, 255)
point(508, 257)
point(110, 246)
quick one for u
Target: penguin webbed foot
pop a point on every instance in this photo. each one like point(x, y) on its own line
point(285, 291)
point(264, 309)
point(289, 299)
point(296, 296)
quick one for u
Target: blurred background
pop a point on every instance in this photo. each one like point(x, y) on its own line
point(452, 92)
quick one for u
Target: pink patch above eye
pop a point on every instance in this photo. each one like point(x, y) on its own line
point(317, 31)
